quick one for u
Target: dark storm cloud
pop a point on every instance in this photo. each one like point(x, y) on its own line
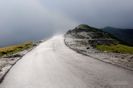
point(100, 13)
point(22, 20)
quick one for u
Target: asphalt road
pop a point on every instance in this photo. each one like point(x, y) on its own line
point(53, 65)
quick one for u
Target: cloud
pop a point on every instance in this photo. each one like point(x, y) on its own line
point(28, 20)
point(98, 13)
point(22, 20)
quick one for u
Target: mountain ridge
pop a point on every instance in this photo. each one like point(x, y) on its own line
point(124, 35)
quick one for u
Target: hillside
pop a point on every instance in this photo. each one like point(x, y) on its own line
point(10, 50)
point(100, 39)
point(93, 35)
point(126, 35)
point(99, 44)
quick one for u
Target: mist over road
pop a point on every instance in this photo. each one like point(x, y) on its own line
point(53, 65)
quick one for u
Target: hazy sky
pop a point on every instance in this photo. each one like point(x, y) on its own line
point(22, 20)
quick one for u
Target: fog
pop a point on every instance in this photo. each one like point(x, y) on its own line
point(24, 20)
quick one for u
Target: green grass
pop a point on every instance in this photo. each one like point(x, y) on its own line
point(119, 48)
point(15, 48)
point(83, 26)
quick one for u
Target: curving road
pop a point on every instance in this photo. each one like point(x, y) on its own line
point(53, 65)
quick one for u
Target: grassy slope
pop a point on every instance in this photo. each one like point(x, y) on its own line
point(15, 48)
point(119, 48)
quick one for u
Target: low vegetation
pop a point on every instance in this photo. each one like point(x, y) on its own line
point(83, 26)
point(7, 51)
point(119, 48)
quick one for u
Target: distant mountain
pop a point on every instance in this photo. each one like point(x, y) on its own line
point(126, 35)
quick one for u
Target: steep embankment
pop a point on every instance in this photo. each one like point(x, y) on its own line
point(94, 42)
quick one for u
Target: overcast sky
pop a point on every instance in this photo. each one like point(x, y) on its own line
point(22, 20)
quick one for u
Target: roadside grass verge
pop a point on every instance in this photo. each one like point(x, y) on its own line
point(119, 48)
point(7, 51)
